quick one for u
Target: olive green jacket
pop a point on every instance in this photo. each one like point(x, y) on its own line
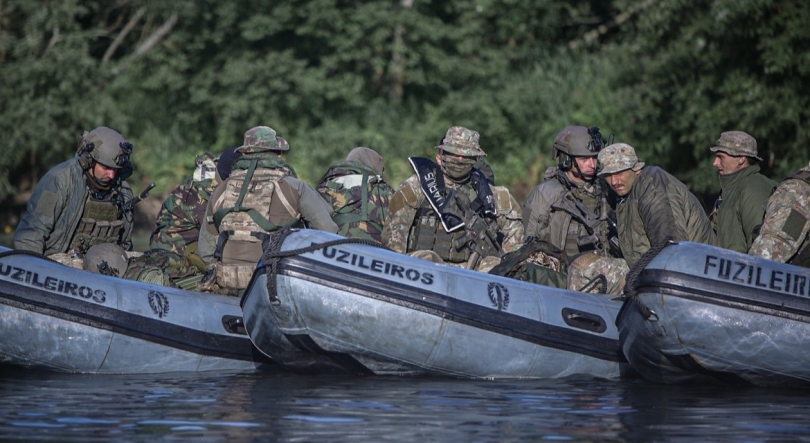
point(55, 209)
point(742, 207)
point(657, 206)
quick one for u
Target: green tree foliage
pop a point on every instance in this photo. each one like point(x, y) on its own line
point(704, 67)
point(180, 78)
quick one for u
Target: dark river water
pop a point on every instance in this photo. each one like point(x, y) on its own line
point(278, 406)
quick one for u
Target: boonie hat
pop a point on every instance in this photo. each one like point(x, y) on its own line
point(263, 138)
point(462, 141)
point(737, 144)
point(618, 157)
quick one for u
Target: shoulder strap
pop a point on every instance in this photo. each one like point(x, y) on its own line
point(259, 219)
point(802, 174)
point(346, 214)
point(431, 181)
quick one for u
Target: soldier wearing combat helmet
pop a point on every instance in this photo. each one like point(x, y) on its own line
point(570, 208)
point(448, 211)
point(569, 212)
point(83, 201)
point(236, 223)
point(740, 207)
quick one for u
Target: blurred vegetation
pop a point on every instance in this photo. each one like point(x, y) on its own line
point(178, 78)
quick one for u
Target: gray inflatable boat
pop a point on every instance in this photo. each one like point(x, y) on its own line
point(368, 310)
point(701, 312)
point(65, 319)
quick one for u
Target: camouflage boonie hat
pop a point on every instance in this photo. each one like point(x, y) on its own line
point(461, 141)
point(263, 138)
point(618, 157)
point(738, 144)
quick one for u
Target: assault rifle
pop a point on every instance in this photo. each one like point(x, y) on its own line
point(480, 237)
point(591, 222)
point(130, 205)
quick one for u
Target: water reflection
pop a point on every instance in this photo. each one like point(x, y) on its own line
point(42, 406)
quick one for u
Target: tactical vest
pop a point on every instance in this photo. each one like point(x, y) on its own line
point(101, 223)
point(802, 257)
point(350, 211)
point(587, 229)
point(241, 212)
point(427, 232)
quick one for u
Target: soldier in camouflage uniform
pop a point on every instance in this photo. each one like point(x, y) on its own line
point(450, 212)
point(784, 233)
point(358, 194)
point(261, 195)
point(178, 222)
point(744, 191)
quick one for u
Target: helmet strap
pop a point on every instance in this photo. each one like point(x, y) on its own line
point(578, 172)
point(98, 189)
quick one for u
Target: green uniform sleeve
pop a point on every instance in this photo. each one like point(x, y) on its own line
point(314, 209)
point(44, 207)
point(207, 242)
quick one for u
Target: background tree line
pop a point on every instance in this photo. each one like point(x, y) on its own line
point(179, 78)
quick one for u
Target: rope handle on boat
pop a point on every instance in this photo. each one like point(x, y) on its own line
point(631, 285)
point(600, 280)
point(272, 254)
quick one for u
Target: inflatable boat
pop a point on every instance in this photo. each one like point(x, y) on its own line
point(701, 312)
point(64, 319)
point(368, 310)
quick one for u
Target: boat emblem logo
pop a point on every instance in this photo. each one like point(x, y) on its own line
point(498, 295)
point(159, 303)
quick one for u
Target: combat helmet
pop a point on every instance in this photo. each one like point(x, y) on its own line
point(576, 141)
point(105, 146)
point(263, 138)
point(106, 259)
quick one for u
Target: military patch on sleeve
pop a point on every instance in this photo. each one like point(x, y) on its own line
point(47, 201)
point(502, 200)
point(397, 203)
point(794, 225)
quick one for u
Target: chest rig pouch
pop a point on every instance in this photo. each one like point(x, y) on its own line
point(453, 224)
point(101, 223)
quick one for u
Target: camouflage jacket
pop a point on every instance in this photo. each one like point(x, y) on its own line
point(409, 197)
point(180, 217)
point(55, 210)
point(742, 207)
point(359, 207)
point(785, 229)
point(657, 206)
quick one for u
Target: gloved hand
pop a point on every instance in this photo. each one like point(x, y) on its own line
point(209, 280)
